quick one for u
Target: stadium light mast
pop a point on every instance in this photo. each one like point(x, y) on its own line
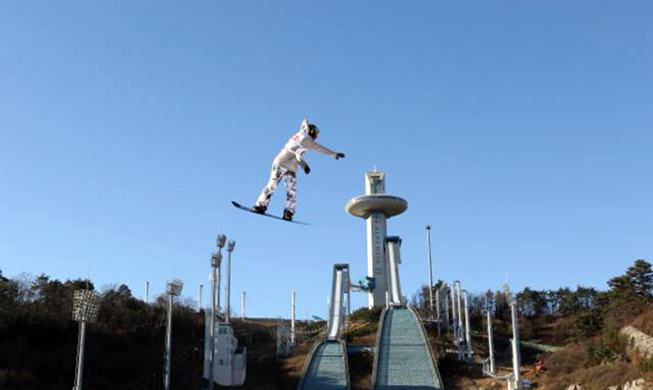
point(516, 358)
point(490, 338)
point(199, 298)
point(173, 289)
point(468, 334)
point(242, 308)
point(216, 259)
point(446, 306)
point(85, 310)
point(292, 317)
point(454, 319)
point(230, 248)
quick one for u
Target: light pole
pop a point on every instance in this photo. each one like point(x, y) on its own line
point(461, 325)
point(292, 317)
point(437, 310)
point(454, 319)
point(468, 334)
point(173, 289)
point(516, 358)
point(428, 240)
point(199, 298)
point(446, 306)
point(216, 259)
point(85, 310)
point(230, 248)
point(242, 309)
point(490, 336)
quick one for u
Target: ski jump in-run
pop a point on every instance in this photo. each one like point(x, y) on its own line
point(285, 166)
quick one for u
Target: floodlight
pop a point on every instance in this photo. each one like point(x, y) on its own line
point(232, 245)
point(222, 239)
point(85, 309)
point(509, 295)
point(174, 287)
point(85, 306)
point(216, 259)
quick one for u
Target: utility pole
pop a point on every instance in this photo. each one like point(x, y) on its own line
point(147, 292)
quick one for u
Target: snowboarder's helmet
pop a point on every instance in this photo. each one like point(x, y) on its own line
point(313, 131)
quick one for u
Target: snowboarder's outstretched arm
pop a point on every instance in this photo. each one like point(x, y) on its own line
point(309, 143)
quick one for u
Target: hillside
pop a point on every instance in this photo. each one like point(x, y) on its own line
point(124, 348)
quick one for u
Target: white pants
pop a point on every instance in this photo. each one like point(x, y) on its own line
point(291, 188)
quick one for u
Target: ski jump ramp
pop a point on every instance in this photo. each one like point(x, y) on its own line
point(403, 359)
point(326, 367)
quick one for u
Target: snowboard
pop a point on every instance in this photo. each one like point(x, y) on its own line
point(239, 206)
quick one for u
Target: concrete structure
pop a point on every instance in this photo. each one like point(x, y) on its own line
point(229, 362)
point(393, 256)
point(326, 367)
point(339, 292)
point(376, 207)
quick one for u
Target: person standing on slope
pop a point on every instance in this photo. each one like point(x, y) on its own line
point(285, 166)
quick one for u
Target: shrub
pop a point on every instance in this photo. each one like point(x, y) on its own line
point(367, 315)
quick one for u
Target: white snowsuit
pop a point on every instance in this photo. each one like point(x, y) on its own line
point(285, 166)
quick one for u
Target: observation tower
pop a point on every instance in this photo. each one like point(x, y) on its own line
point(376, 207)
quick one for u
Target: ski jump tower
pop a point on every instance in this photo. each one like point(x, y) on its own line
point(376, 207)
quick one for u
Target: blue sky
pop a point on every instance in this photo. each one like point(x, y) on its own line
point(520, 130)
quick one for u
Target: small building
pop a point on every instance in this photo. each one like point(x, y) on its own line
point(229, 361)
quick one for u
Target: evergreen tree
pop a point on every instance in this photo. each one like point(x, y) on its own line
point(636, 282)
point(641, 277)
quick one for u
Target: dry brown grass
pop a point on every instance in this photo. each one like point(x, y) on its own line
point(360, 370)
point(645, 323)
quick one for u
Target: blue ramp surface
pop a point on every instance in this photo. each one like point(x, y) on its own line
point(327, 368)
point(403, 358)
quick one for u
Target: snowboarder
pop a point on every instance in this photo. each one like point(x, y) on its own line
point(285, 166)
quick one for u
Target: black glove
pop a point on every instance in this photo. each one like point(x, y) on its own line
point(307, 169)
point(339, 156)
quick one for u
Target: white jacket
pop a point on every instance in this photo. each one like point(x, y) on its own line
point(297, 146)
